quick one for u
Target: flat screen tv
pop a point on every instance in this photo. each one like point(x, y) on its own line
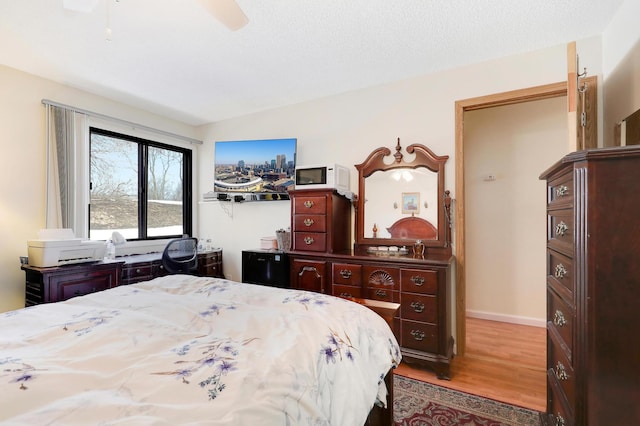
point(260, 169)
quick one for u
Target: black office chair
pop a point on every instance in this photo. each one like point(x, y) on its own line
point(180, 256)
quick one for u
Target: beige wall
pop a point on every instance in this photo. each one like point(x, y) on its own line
point(621, 67)
point(346, 128)
point(506, 217)
point(341, 129)
point(22, 176)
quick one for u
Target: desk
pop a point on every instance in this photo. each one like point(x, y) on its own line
point(54, 284)
point(143, 267)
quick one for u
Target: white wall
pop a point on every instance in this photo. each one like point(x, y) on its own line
point(621, 67)
point(506, 217)
point(347, 127)
point(341, 129)
point(22, 176)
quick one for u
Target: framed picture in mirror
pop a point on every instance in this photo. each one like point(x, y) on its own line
point(410, 202)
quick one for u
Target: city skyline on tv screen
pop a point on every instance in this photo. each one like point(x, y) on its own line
point(250, 166)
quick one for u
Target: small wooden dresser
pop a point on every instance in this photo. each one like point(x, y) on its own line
point(593, 288)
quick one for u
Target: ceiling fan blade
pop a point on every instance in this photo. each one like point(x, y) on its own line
point(84, 6)
point(228, 12)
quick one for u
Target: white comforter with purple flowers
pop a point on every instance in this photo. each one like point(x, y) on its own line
point(191, 350)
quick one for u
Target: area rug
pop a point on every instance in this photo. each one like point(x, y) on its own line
point(418, 403)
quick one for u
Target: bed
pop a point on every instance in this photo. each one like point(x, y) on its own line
point(194, 350)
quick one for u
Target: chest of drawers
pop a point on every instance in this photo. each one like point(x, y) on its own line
point(320, 221)
point(593, 288)
point(55, 284)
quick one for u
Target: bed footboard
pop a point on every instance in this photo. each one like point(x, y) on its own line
point(381, 416)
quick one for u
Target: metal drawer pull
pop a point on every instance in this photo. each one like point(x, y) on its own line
point(308, 204)
point(417, 334)
point(417, 306)
point(345, 294)
point(417, 280)
point(560, 271)
point(345, 273)
point(562, 190)
point(561, 228)
point(308, 222)
point(308, 240)
point(558, 319)
point(560, 372)
point(559, 420)
point(381, 293)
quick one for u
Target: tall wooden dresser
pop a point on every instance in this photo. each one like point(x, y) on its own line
point(593, 288)
point(322, 260)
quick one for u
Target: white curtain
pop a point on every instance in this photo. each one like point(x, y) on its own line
point(67, 171)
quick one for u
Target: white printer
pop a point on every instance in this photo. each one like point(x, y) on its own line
point(56, 247)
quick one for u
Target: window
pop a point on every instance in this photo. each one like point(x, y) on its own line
point(139, 188)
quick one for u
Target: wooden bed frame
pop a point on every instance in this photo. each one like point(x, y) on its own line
point(414, 228)
point(380, 416)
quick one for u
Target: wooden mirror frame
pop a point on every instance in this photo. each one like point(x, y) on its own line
point(424, 157)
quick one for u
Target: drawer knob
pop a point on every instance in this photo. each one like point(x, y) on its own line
point(345, 273)
point(308, 240)
point(561, 372)
point(381, 293)
point(559, 420)
point(562, 191)
point(558, 319)
point(419, 281)
point(418, 334)
point(561, 228)
point(308, 222)
point(345, 294)
point(417, 306)
point(308, 204)
point(560, 271)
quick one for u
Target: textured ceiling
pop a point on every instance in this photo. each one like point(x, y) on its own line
point(173, 58)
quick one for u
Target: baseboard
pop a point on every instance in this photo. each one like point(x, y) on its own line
point(491, 316)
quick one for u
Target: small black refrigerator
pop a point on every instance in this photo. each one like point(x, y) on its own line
point(265, 267)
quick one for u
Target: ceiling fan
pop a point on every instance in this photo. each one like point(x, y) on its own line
point(226, 11)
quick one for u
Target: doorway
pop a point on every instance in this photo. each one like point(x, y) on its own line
point(463, 106)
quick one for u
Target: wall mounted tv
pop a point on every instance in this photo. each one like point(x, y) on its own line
point(254, 170)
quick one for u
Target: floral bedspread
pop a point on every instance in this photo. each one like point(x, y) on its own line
point(193, 350)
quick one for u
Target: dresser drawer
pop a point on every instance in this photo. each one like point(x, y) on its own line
point(419, 307)
point(310, 241)
point(345, 273)
point(559, 367)
point(419, 281)
point(346, 290)
point(306, 204)
point(558, 411)
point(560, 231)
point(560, 191)
point(560, 320)
point(71, 289)
point(420, 336)
point(560, 273)
point(310, 223)
point(136, 273)
point(381, 277)
point(382, 294)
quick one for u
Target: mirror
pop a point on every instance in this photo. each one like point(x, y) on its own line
point(402, 199)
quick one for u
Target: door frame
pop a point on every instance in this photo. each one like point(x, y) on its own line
point(499, 99)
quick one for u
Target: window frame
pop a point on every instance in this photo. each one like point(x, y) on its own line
point(143, 150)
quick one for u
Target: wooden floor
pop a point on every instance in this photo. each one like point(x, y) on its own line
point(505, 362)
